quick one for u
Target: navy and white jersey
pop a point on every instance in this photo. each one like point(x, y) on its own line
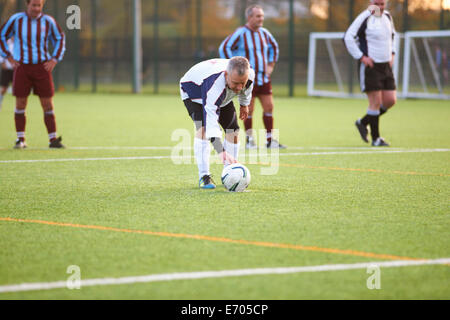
point(205, 84)
point(371, 36)
point(259, 47)
point(31, 39)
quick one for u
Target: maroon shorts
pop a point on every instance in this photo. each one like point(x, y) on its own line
point(33, 76)
point(265, 89)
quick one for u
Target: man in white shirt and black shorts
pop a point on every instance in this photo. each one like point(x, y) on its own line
point(207, 91)
point(370, 39)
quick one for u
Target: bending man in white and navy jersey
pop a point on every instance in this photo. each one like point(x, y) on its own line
point(33, 64)
point(207, 91)
point(260, 48)
point(370, 39)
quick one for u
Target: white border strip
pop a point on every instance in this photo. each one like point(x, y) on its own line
point(267, 153)
point(217, 274)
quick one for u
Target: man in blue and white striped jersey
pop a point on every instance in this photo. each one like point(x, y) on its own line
point(33, 64)
point(259, 46)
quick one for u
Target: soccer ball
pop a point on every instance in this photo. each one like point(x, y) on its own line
point(236, 177)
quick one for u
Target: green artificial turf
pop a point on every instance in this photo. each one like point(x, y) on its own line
point(330, 191)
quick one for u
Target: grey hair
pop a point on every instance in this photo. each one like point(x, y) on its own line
point(240, 65)
point(249, 10)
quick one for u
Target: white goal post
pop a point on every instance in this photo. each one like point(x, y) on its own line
point(332, 72)
point(425, 72)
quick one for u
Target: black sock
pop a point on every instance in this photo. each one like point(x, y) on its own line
point(383, 110)
point(374, 122)
point(365, 120)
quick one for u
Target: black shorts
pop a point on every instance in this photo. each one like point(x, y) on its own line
point(227, 115)
point(7, 77)
point(380, 77)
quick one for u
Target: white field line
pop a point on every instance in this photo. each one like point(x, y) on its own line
point(266, 154)
point(218, 274)
point(190, 148)
point(187, 148)
point(94, 148)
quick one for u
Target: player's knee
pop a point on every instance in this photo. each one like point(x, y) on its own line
point(200, 133)
point(21, 103)
point(391, 102)
point(268, 108)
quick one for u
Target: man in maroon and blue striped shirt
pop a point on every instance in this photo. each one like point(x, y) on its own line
point(33, 64)
point(260, 48)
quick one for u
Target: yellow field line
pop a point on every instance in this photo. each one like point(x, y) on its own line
point(218, 239)
point(288, 165)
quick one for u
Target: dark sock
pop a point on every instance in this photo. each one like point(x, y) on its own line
point(268, 124)
point(248, 125)
point(383, 110)
point(50, 123)
point(374, 122)
point(20, 121)
point(365, 120)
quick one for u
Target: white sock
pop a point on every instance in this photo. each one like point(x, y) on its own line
point(202, 151)
point(232, 149)
point(1, 101)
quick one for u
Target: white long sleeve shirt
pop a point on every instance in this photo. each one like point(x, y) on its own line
point(205, 84)
point(371, 36)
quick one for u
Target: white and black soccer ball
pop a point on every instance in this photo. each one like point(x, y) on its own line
point(236, 177)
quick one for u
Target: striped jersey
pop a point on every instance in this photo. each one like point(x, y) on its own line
point(205, 84)
point(31, 39)
point(371, 36)
point(259, 47)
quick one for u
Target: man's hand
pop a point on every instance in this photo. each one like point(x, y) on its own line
point(269, 69)
point(226, 158)
point(13, 62)
point(50, 65)
point(368, 62)
point(391, 63)
point(243, 115)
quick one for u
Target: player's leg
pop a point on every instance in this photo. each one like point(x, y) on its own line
point(20, 122)
point(202, 153)
point(389, 98)
point(21, 89)
point(229, 122)
point(44, 88)
point(202, 147)
point(50, 123)
point(2, 95)
point(389, 94)
point(268, 106)
point(5, 81)
point(248, 125)
point(372, 83)
point(373, 115)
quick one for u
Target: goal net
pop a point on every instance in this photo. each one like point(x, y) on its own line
point(426, 65)
point(332, 72)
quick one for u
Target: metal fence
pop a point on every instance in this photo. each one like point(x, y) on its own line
point(178, 33)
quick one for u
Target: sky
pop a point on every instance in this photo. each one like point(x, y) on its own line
point(432, 4)
point(320, 7)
